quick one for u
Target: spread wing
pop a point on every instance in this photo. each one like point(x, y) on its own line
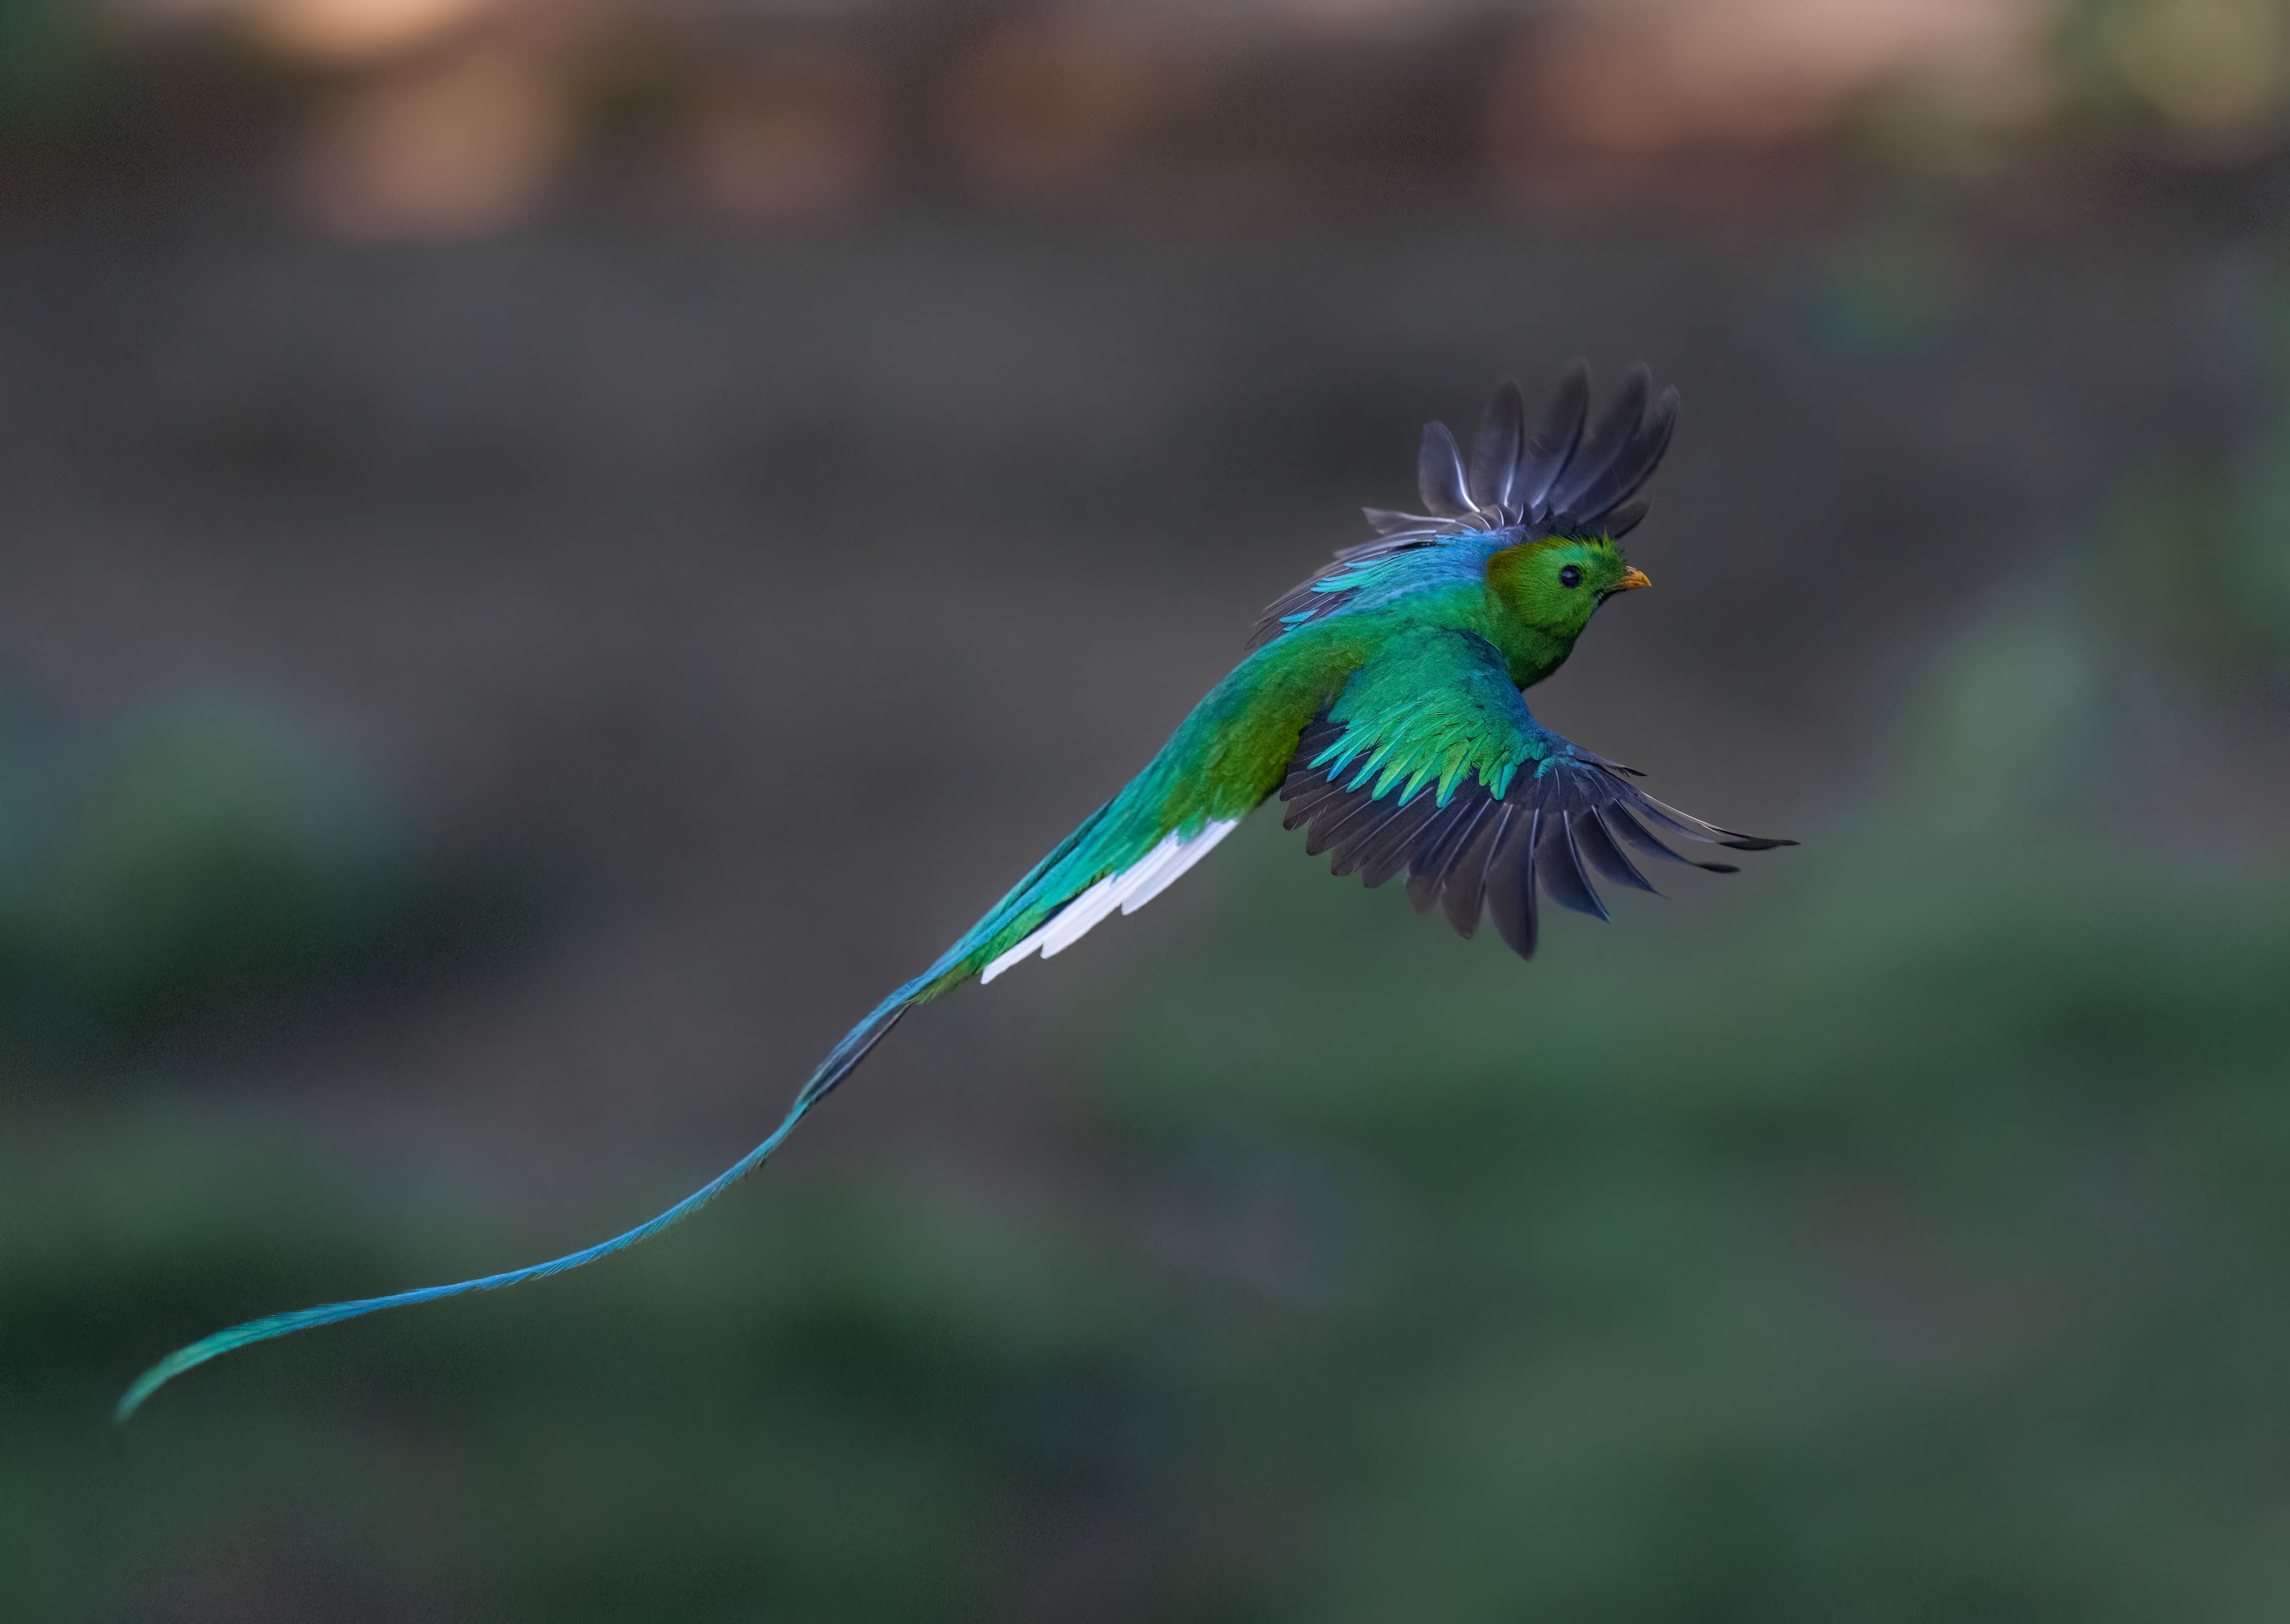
point(1560, 481)
point(1430, 763)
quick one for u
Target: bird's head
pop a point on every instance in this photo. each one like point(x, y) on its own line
point(1556, 584)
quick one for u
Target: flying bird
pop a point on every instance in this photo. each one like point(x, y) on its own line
point(1382, 700)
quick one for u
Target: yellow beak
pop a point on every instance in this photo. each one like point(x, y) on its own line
point(1632, 581)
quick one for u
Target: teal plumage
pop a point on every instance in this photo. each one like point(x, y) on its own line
point(1381, 701)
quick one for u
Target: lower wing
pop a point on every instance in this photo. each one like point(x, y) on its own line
point(1475, 801)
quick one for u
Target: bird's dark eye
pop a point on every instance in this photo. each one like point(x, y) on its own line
point(1570, 577)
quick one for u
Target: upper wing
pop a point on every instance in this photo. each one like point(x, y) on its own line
point(1559, 482)
point(1429, 762)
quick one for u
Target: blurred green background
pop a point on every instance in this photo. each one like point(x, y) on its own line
point(555, 552)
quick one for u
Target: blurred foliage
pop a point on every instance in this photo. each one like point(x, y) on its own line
point(1891, 290)
point(201, 867)
point(2206, 68)
point(447, 116)
point(1902, 1242)
point(2192, 573)
point(52, 56)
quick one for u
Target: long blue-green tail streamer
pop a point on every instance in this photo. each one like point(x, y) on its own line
point(1043, 889)
point(838, 1064)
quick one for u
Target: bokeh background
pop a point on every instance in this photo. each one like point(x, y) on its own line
point(555, 551)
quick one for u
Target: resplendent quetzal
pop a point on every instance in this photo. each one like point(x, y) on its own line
point(1381, 699)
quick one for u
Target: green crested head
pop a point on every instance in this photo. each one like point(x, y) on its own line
point(1552, 587)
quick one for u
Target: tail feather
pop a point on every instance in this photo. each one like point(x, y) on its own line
point(1043, 889)
point(839, 1064)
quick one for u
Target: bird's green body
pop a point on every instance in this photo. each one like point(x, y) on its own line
point(1404, 665)
point(1384, 703)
